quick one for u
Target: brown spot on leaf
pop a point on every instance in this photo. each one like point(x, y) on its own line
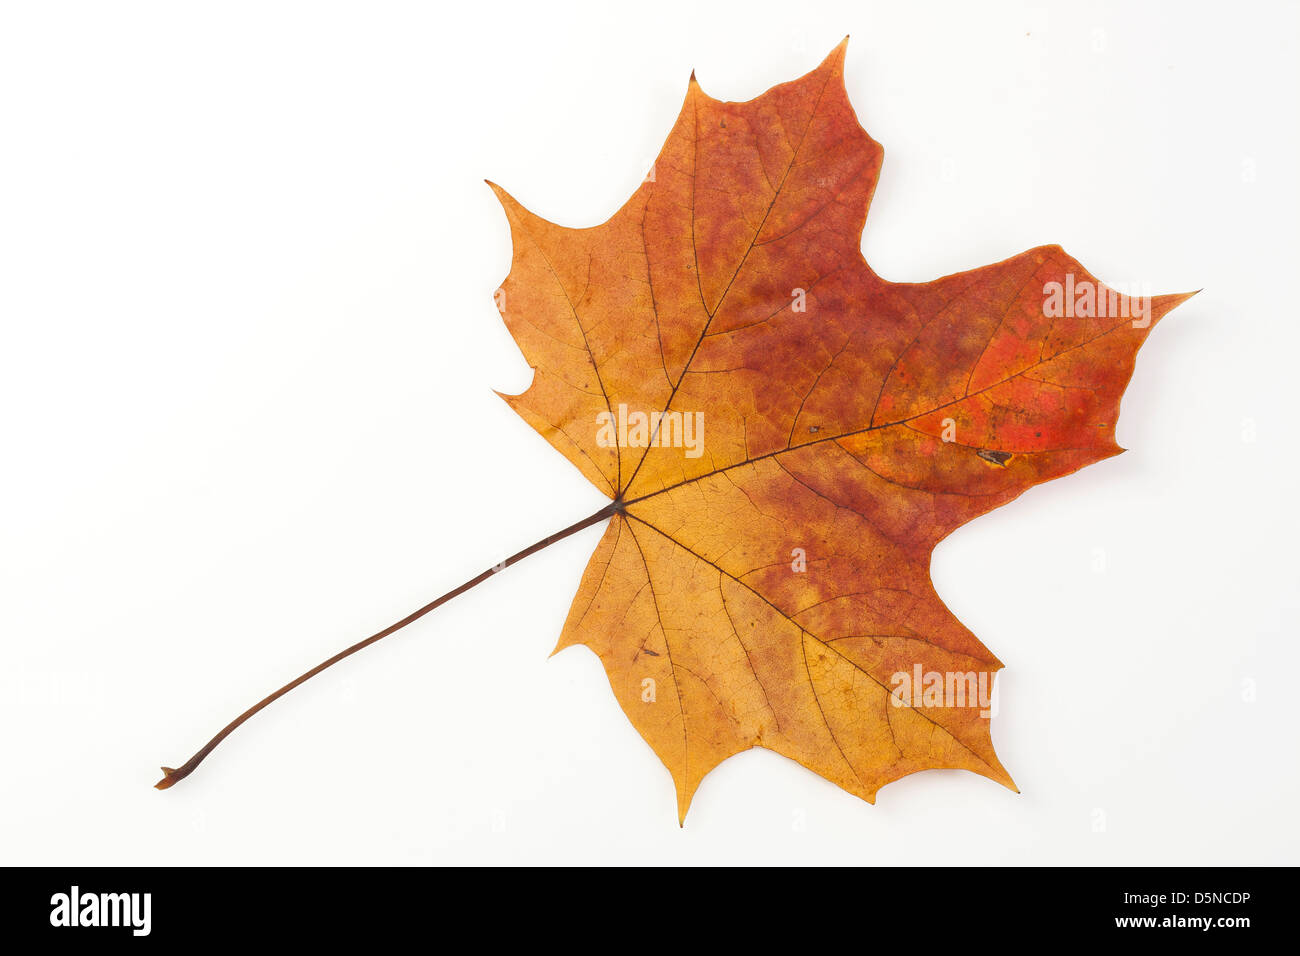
point(999, 458)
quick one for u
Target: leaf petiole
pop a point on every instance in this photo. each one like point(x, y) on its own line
point(172, 776)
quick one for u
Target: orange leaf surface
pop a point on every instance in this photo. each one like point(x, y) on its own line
point(764, 580)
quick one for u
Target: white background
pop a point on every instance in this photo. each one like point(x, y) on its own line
point(249, 345)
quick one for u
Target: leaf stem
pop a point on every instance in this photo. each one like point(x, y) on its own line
point(172, 776)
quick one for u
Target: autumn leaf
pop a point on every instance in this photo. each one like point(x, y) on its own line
point(785, 437)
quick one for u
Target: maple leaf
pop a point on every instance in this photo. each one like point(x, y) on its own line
point(719, 359)
point(785, 437)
